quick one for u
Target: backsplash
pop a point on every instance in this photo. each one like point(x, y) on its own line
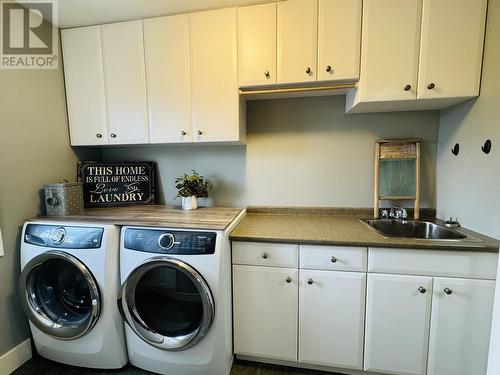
point(299, 152)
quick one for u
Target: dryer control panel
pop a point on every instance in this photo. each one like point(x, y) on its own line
point(169, 242)
point(63, 237)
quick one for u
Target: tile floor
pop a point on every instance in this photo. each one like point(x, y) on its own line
point(41, 366)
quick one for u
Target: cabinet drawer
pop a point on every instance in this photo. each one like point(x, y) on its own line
point(266, 254)
point(433, 263)
point(337, 258)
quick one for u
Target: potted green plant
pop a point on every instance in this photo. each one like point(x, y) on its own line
point(190, 188)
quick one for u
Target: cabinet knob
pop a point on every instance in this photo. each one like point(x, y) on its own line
point(183, 132)
point(265, 256)
point(430, 86)
point(267, 74)
point(329, 69)
point(308, 70)
point(421, 289)
point(448, 291)
point(98, 135)
point(112, 135)
point(200, 132)
point(288, 280)
point(310, 281)
point(333, 259)
point(407, 88)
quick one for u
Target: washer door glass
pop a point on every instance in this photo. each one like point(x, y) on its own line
point(168, 304)
point(60, 295)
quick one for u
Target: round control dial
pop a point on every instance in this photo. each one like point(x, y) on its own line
point(58, 236)
point(166, 241)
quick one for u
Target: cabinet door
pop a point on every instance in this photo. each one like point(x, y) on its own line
point(84, 86)
point(397, 324)
point(214, 79)
point(257, 45)
point(297, 41)
point(166, 46)
point(125, 82)
point(390, 50)
point(451, 51)
point(460, 326)
point(265, 312)
point(331, 318)
point(339, 40)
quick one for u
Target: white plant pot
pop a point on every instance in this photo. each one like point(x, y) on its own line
point(189, 203)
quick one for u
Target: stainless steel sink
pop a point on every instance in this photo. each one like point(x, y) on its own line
point(413, 229)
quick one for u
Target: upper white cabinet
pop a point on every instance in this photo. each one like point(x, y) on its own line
point(85, 86)
point(297, 41)
point(214, 76)
point(397, 323)
point(339, 40)
point(257, 45)
point(166, 46)
point(389, 57)
point(331, 318)
point(451, 48)
point(416, 50)
point(125, 82)
point(265, 311)
point(460, 326)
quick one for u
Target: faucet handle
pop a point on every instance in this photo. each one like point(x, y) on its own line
point(384, 214)
point(398, 213)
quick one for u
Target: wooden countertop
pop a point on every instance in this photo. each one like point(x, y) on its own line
point(214, 218)
point(342, 230)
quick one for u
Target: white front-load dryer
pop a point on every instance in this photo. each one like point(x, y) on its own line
point(68, 288)
point(176, 300)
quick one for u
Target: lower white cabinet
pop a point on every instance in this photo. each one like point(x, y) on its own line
point(397, 323)
point(331, 318)
point(322, 308)
point(460, 326)
point(265, 311)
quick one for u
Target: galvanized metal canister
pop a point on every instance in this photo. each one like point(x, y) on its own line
point(63, 198)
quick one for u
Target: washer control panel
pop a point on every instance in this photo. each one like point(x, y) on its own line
point(64, 237)
point(169, 242)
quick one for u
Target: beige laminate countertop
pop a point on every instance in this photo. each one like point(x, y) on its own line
point(346, 230)
point(214, 218)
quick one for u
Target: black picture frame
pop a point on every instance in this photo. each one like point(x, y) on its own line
point(117, 183)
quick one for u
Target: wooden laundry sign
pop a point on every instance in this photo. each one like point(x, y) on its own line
point(107, 184)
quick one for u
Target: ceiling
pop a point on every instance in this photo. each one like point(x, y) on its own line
point(73, 13)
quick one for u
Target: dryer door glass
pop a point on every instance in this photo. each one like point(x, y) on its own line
point(60, 295)
point(168, 304)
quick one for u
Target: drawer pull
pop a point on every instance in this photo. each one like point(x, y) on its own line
point(288, 280)
point(310, 281)
point(448, 291)
point(421, 289)
point(265, 256)
point(333, 259)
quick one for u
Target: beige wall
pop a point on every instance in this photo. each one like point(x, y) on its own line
point(34, 149)
point(469, 185)
point(300, 152)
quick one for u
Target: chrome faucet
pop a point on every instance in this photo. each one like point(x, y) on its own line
point(395, 213)
point(398, 213)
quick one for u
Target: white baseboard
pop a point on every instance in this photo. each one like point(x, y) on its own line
point(15, 357)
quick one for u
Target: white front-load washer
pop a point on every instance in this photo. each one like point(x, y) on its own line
point(176, 300)
point(68, 287)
